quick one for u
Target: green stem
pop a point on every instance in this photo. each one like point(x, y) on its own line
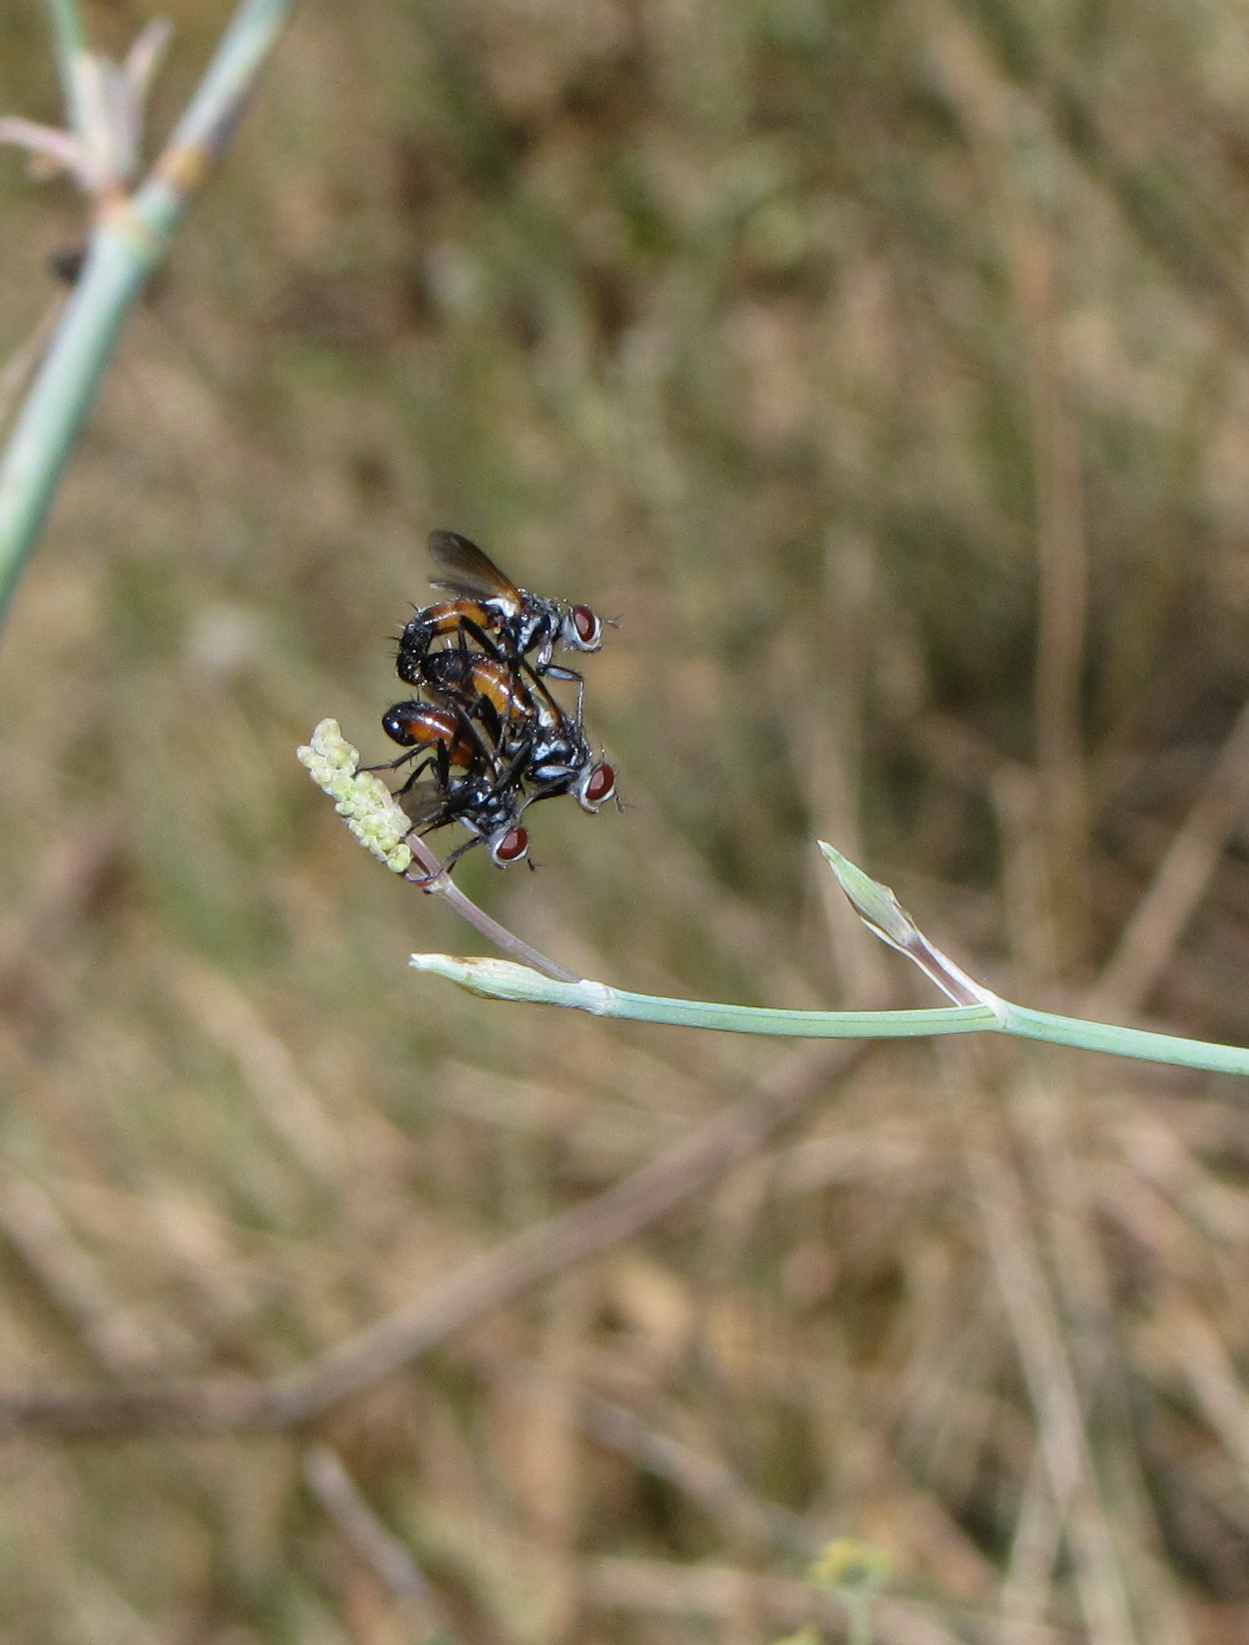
point(245, 45)
point(71, 46)
point(503, 980)
point(1083, 1035)
point(860, 1608)
point(57, 405)
point(500, 979)
point(130, 240)
point(807, 1025)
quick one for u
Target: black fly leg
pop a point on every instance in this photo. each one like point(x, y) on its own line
point(550, 790)
point(393, 765)
point(514, 772)
point(441, 762)
point(425, 881)
point(509, 659)
point(476, 632)
point(557, 671)
point(482, 709)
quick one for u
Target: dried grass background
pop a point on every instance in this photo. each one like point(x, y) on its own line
point(884, 368)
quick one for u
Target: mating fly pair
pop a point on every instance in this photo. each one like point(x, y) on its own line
point(488, 727)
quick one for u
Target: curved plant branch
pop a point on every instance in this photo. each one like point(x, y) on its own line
point(131, 232)
point(978, 1009)
point(531, 978)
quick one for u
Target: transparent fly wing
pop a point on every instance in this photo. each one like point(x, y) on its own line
point(425, 805)
point(470, 570)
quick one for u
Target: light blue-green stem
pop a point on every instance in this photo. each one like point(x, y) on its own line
point(70, 44)
point(1083, 1035)
point(62, 394)
point(504, 980)
point(500, 979)
point(129, 241)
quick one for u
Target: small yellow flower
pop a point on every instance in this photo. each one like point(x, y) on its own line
point(848, 1564)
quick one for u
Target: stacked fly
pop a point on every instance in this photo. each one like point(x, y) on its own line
point(487, 736)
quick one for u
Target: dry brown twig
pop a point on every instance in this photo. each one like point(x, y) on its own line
point(386, 1555)
point(482, 1286)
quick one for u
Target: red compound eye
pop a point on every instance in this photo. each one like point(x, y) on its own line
point(601, 785)
point(512, 847)
point(589, 629)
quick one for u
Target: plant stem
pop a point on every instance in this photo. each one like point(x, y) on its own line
point(759, 1019)
point(499, 979)
point(71, 47)
point(62, 394)
point(484, 924)
point(502, 980)
point(129, 241)
point(1084, 1035)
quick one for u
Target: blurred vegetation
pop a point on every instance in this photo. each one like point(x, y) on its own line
point(884, 367)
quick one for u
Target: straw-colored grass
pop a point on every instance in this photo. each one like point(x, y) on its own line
point(884, 368)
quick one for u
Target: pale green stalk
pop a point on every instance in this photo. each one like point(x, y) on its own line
point(130, 238)
point(57, 404)
point(884, 916)
point(70, 47)
point(1084, 1035)
point(504, 980)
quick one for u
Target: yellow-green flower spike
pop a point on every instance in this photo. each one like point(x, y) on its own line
point(361, 797)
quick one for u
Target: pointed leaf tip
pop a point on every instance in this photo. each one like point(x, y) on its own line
point(885, 917)
point(874, 903)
